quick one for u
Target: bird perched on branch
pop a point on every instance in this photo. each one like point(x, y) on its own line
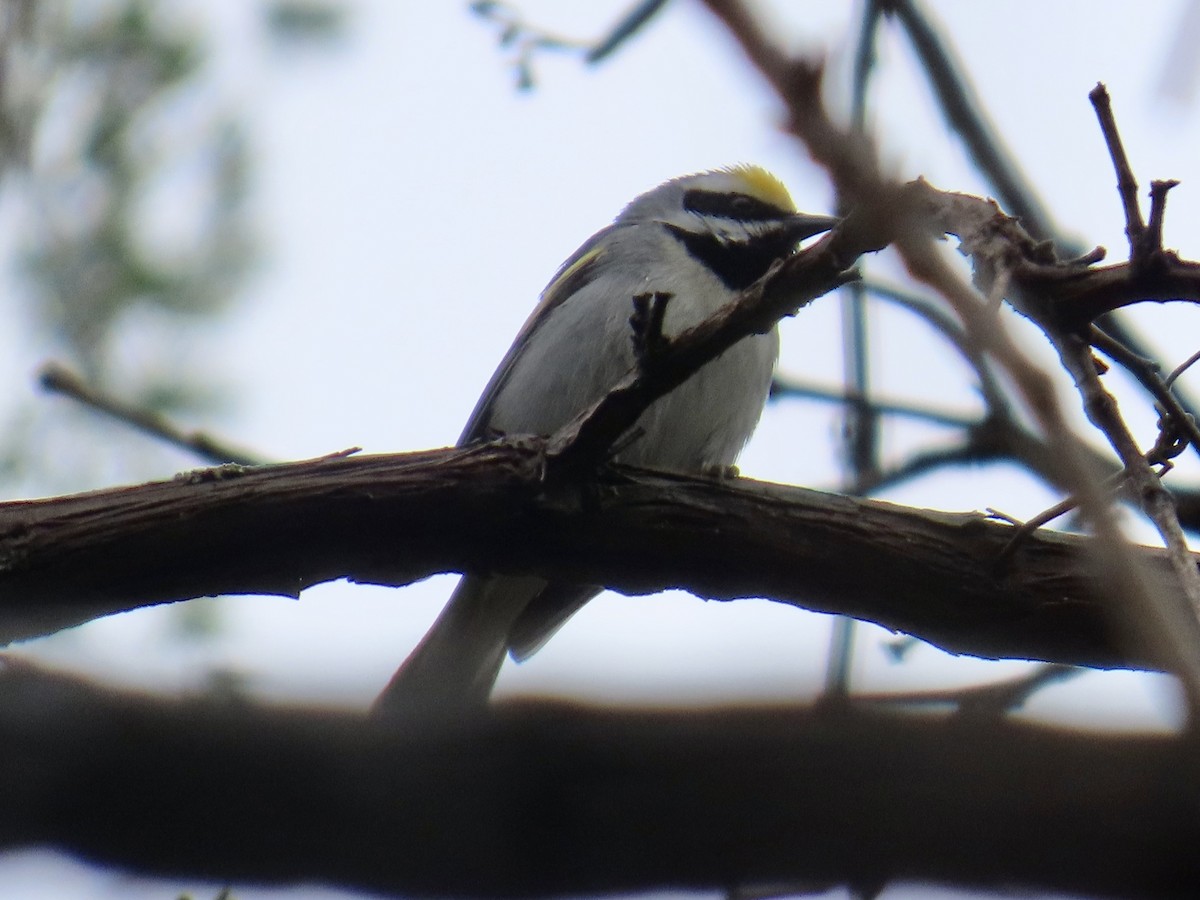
point(700, 238)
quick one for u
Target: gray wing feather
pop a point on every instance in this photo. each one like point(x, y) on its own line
point(573, 274)
point(456, 663)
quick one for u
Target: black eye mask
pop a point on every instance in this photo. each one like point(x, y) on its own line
point(739, 207)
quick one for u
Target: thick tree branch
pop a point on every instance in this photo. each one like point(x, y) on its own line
point(396, 519)
point(548, 800)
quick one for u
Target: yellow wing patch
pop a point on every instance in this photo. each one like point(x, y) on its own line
point(762, 184)
point(574, 273)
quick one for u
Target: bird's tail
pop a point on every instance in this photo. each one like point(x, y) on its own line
point(455, 665)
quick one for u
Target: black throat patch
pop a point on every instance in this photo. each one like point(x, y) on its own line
point(737, 263)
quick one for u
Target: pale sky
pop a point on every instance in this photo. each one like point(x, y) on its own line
point(412, 206)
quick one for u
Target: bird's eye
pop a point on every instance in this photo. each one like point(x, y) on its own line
point(742, 205)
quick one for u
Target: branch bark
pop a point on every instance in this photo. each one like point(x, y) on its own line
point(548, 800)
point(396, 519)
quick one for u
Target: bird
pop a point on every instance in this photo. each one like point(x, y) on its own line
point(700, 238)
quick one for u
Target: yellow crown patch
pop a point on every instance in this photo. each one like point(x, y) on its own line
point(762, 184)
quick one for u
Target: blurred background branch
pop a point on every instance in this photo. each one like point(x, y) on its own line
point(127, 195)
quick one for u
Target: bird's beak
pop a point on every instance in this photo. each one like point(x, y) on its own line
point(805, 225)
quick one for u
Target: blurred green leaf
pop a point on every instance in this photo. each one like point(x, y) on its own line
point(305, 21)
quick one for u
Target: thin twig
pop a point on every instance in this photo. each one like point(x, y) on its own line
point(852, 164)
point(1153, 240)
point(1177, 624)
point(57, 379)
point(1029, 526)
point(971, 451)
point(1102, 411)
point(1112, 484)
point(860, 431)
point(945, 324)
point(982, 700)
point(1147, 374)
point(526, 39)
point(1127, 186)
point(864, 61)
point(860, 421)
point(626, 28)
point(529, 40)
point(1175, 630)
point(1181, 368)
point(787, 388)
point(964, 113)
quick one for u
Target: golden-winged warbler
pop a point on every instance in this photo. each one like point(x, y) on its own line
point(701, 238)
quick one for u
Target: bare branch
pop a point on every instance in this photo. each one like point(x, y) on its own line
point(537, 800)
point(1127, 186)
point(944, 323)
point(626, 28)
point(788, 388)
point(1169, 622)
point(528, 40)
point(860, 422)
point(397, 519)
point(60, 380)
point(994, 699)
point(1181, 622)
point(851, 164)
point(1158, 208)
point(1182, 367)
point(1147, 374)
point(964, 113)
